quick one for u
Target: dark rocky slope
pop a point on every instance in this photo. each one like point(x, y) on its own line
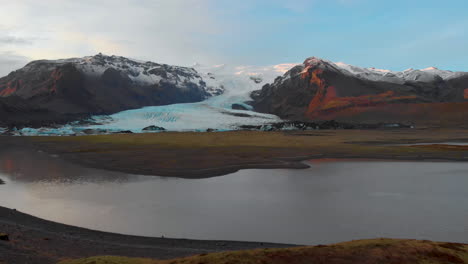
point(18, 112)
point(321, 90)
point(62, 89)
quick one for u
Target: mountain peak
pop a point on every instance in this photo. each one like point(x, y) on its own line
point(315, 61)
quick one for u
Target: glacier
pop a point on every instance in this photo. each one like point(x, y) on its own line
point(214, 113)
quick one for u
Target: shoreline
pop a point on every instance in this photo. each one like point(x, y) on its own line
point(204, 155)
point(38, 241)
point(188, 155)
point(35, 240)
point(295, 164)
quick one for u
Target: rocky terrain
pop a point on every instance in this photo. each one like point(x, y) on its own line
point(322, 90)
point(49, 94)
point(27, 239)
point(52, 91)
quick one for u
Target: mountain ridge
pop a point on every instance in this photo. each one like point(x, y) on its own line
point(102, 84)
point(319, 89)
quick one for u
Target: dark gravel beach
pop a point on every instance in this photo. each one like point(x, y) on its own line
point(33, 240)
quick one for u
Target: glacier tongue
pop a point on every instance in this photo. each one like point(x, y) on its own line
point(213, 113)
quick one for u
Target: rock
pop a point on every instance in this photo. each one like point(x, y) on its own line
point(211, 130)
point(250, 127)
point(256, 79)
point(237, 114)
point(90, 131)
point(124, 132)
point(154, 128)
point(4, 237)
point(1, 182)
point(238, 107)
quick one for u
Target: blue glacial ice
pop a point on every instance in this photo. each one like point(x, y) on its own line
point(213, 113)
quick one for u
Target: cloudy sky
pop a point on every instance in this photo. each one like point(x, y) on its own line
point(395, 34)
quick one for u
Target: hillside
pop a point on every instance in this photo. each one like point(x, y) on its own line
point(101, 84)
point(380, 251)
point(322, 90)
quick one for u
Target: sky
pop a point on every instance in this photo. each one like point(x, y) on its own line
point(395, 35)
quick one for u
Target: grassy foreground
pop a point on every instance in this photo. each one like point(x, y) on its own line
point(363, 251)
point(212, 154)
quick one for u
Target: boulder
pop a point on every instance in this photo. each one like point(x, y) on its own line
point(90, 131)
point(154, 128)
point(238, 107)
point(123, 132)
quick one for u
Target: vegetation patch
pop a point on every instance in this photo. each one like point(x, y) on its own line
point(363, 251)
point(196, 155)
point(109, 260)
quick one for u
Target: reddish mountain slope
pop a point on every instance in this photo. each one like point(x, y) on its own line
point(321, 90)
point(102, 84)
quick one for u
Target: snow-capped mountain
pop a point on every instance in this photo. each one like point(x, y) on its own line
point(320, 89)
point(139, 72)
point(227, 111)
point(104, 84)
point(121, 94)
point(423, 75)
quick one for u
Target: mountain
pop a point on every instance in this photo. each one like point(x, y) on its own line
point(17, 112)
point(322, 90)
point(103, 84)
point(224, 112)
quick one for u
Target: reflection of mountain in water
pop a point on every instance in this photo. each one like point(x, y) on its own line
point(30, 166)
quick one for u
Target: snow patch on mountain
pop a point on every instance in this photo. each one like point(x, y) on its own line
point(140, 72)
point(214, 113)
point(430, 74)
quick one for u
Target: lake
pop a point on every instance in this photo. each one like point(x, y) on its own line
point(333, 201)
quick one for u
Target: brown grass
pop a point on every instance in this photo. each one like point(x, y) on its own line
point(380, 251)
point(208, 154)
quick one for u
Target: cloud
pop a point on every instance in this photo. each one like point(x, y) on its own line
point(179, 32)
point(14, 40)
point(256, 32)
point(284, 67)
point(302, 6)
point(268, 72)
point(175, 31)
point(9, 61)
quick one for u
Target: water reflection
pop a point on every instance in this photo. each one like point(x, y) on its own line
point(330, 202)
point(30, 166)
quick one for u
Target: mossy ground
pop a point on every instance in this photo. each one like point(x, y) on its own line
point(380, 251)
point(212, 154)
point(339, 140)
